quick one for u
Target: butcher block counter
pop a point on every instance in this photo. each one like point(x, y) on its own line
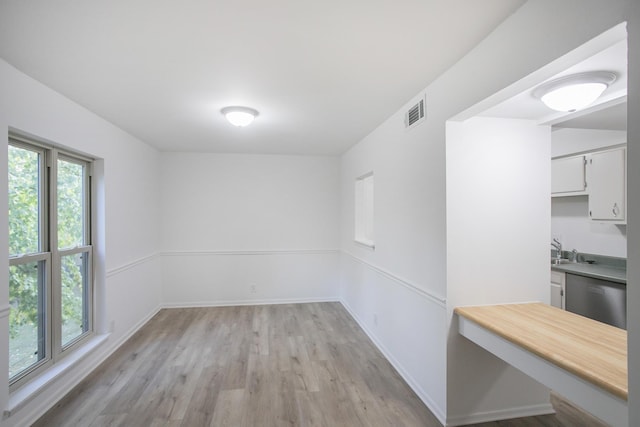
point(582, 359)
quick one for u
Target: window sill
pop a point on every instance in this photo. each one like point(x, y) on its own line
point(365, 243)
point(34, 388)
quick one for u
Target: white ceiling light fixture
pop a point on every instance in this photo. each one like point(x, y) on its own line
point(239, 116)
point(573, 92)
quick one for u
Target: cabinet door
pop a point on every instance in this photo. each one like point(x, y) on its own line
point(606, 185)
point(557, 289)
point(567, 175)
point(556, 295)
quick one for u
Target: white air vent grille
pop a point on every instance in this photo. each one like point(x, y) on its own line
point(415, 114)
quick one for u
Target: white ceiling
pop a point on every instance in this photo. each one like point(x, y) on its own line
point(611, 118)
point(323, 74)
point(608, 112)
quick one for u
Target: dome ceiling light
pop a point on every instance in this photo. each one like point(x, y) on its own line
point(574, 92)
point(239, 116)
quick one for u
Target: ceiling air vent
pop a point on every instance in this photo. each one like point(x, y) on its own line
point(414, 115)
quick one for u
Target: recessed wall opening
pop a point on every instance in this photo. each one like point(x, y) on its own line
point(501, 213)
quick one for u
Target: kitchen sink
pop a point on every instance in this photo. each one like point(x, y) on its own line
point(557, 261)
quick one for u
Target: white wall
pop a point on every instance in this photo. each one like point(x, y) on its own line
point(498, 213)
point(127, 242)
point(406, 169)
point(241, 229)
point(410, 217)
point(396, 291)
point(570, 215)
point(570, 223)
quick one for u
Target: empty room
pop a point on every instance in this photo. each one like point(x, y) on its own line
point(245, 213)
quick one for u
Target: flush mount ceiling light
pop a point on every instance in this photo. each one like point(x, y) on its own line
point(239, 116)
point(573, 92)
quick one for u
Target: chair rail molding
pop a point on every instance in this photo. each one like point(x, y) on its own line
point(441, 301)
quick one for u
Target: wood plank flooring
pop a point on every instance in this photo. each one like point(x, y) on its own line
point(273, 365)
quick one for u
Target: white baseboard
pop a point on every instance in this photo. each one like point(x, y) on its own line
point(230, 303)
point(506, 414)
point(426, 399)
point(116, 345)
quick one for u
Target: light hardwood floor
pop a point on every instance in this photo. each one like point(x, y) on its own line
point(272, 365)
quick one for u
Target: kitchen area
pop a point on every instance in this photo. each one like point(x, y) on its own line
point(588, 217)
point(588, 155)
point(572, 338)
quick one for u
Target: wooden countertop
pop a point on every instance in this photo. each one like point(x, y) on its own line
point(593, 351)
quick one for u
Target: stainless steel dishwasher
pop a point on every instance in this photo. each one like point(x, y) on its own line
point(597, 299)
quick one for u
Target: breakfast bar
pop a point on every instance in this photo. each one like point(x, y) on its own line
point(580, 358)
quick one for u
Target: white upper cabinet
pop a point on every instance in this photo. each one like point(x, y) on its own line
point(567, 176)
point(606, 185)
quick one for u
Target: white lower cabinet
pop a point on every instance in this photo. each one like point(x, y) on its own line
point(558, 281)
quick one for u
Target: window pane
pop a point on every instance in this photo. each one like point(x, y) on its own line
point(26, 318)
point(24, 201)
point(75, 274)
point(70, 204)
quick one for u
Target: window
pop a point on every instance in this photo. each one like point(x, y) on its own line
point(364, 210)
point(50, 256)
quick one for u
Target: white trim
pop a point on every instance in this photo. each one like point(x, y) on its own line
point(34, 388)
point(415, 386)
point(423, 293)
point(505, 414)
point(132, 330)
point(253, 252)
point(364, 176)
point(364, 243)
point(232, 303)
point(4, 311)
point(591, 151)
point(130, 265)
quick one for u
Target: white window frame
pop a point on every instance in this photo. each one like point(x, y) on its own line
point(52, 256)
point(364, 210)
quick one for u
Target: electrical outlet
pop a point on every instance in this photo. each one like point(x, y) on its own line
point(252, 288)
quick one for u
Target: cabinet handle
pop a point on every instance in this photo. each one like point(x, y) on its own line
point(616, 209)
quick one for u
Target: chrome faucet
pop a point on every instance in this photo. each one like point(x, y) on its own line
point(574, 255)
point(558, 247)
